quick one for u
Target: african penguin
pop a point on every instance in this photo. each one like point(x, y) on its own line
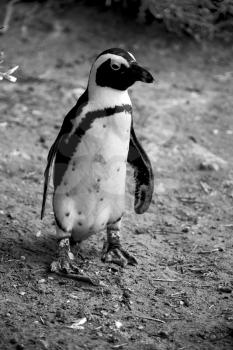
point(90, 153)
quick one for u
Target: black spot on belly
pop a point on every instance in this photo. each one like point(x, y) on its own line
point(67, 194)
point(104, 126)
point(118, 169)
point(101, 199)
point(79, 223)
point(67, 214)
point(79, 213)
point(98, 180)
point(96, 187)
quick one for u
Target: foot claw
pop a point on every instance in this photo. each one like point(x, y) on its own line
point(117, 255)
point(64, 266)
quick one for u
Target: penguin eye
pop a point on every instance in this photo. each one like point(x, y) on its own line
point(115, 66)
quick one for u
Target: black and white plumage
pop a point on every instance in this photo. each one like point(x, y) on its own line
point(90, 153)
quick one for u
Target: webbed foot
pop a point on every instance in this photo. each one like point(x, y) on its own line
point(65, 263)
point(117, 255)
point(112, 249)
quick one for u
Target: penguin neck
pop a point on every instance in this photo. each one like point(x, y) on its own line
point(102, 97)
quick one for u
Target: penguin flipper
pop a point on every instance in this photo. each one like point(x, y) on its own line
point(65, 129)
point(143, 174)
point(47, 173)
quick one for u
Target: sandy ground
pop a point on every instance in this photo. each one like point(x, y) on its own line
point(179, 296)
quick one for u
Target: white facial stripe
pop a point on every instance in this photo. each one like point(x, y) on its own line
point(131, 55)
point(114, 58)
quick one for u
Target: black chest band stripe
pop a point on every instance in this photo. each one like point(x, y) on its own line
point(86, 123)
point(67, 149)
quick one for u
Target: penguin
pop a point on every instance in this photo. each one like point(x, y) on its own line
point(90, 154)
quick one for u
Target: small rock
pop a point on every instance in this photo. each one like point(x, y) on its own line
point(205, 165)
point(104, 313)
point(163, 335)
point(36, 112)
point(42, 280)
point(207, 159)
point(18, 153)
point(22, 293)
point(224, 289)
point(74, 296)
point(159, 290)
point(38, 234)
point(118, 324)
point(44, 343)
point(42, 139)
point(78, 324)
point(20, 347)
point(3, 125)
point(138, 231)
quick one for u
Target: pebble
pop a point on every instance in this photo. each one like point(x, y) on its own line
point(224, 289)
point(22, 293)
point(42, 280)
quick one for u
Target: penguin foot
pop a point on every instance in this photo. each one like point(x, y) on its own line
point(112, 249)
point(117, 255)
point(65, 262)
point(62, 265)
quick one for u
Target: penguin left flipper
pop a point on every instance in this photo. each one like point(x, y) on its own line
point(65, 130)
point(143, 174)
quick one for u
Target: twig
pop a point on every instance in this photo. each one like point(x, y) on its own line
point(177, 294)
point(118, 346)
point(210, 251)
point(228, 225)
point(164, 280)
point(74, 276)
point(42, 320)
point(163, 230)
point(194, 248)
point(206, 188)
point(9, 11)
point(189, 200)
point(8, 74)
point(150, 318)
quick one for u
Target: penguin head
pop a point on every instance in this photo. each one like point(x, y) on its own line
point(117, 69)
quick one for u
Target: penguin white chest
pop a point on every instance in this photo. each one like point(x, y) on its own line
point(93, 186)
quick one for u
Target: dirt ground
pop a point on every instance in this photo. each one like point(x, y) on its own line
point(180, 294)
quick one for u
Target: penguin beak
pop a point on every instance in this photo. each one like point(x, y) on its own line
point(140, 73)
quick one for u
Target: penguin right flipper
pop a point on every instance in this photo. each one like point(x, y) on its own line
point(143, 174)
point(65, 129)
